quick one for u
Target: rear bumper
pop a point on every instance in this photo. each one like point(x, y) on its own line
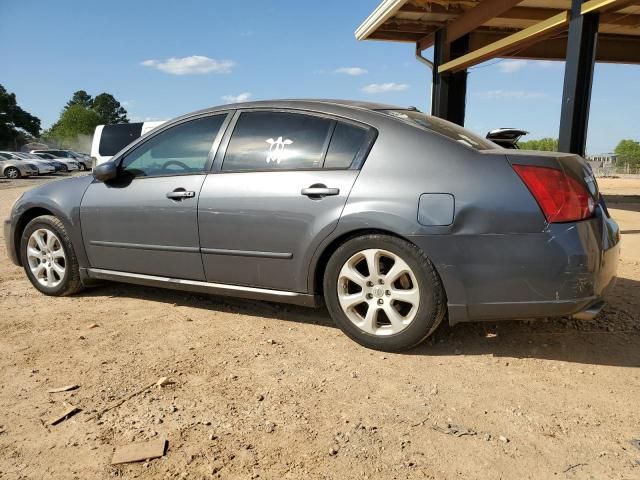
point(563, 271)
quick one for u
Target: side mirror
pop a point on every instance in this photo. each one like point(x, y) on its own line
point(105, 172)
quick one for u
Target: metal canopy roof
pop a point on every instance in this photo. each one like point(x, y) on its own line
point(541, 26)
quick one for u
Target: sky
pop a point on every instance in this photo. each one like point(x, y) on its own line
point(165, 58)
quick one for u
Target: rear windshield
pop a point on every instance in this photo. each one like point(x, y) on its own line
point(443, 127)
point(115, 137)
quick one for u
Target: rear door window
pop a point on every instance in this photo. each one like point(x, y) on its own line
point(346, 142)
point(115, 137)
point(277, 141)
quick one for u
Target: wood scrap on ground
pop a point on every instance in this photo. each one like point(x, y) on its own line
point(66, 388)
point(70, 411)
point(117, 403)
point(139, 452)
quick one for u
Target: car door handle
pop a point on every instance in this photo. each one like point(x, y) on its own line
point(319, 191)
point(180, 194)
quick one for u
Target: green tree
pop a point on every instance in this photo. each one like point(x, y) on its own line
point(109, 109)
point(80, 97)
point(543, 144)
point(76, 123)
point(628, 153)
point(16, 125)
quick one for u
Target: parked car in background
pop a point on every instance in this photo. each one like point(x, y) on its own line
point(110, 139)
point(506, 137)
point(85, 157)
point(14, 168)
point(44, 167)
point(59, 166)
point(66, 155)
point(67, 164)
point(396, 219)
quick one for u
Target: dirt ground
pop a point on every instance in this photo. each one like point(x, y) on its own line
point(269, 391)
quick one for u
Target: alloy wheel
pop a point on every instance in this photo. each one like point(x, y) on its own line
point(46, 257)
point(378, 292)
point(12, 173)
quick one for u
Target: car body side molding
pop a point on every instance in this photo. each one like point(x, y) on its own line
point(247, 253)
point(295, 298)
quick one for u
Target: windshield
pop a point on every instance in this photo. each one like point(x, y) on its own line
point(443, 127)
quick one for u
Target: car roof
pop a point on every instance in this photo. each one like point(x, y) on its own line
point(304, 103)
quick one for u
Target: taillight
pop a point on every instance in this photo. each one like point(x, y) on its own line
point(561, 197)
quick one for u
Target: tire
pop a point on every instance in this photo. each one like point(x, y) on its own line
point(406, 286)
point(51, 257)
point(12, 172)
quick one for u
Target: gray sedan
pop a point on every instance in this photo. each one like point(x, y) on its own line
point(397, 220)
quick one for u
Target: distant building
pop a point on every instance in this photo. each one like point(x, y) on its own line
point(602, 160)
point(34, 146)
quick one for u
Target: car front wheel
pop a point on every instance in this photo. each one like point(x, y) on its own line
point(383, 292)
point(48, 257)
point(12, 173)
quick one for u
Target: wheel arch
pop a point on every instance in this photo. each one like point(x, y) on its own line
point(319, 266)
point(23, 221)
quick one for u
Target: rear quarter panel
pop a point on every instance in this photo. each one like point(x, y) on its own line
point(491, 203)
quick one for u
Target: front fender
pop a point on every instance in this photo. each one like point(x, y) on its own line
point(62, 199)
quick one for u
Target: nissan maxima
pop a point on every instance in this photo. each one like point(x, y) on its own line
point(395, 219)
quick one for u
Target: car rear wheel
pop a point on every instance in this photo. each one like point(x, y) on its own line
point(12, 173)
point(383, 292)
point(48, 257)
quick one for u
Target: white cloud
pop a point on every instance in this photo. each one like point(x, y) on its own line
point(513, 94)
point(241, 97)
point(511, 66)
point(193, 65)
point(353, 71)
point(374, 88)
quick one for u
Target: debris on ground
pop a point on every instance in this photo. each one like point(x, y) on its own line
point(121, 401)
point(455, 430)
point(69, 412)
point(164, 381)
point(636, 443)
point(66, 388)
point(575, 465)
point(139, 452)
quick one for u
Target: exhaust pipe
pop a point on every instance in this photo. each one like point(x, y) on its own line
point(590, 312)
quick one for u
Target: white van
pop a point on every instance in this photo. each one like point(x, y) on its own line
point(110, 139)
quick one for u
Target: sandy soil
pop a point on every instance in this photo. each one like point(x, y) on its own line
point(270, 391)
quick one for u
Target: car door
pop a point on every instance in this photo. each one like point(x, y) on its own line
point(279, 185)
point(145, 221)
